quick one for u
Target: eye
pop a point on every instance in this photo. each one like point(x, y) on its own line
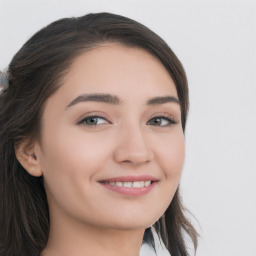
point(161, 121)
point(93, 120)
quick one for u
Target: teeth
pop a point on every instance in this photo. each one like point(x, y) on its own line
point(130, 184)
point(138, 184)
point(147, 183)
point(119, 184)
point(127, 184)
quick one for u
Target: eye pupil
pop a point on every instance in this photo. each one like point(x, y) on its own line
point(92, 120)
point(157, 121)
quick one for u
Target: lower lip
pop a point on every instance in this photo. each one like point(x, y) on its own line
point(130, 191)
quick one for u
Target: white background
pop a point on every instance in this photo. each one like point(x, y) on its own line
point(216, 42)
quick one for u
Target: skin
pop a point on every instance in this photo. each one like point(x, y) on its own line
point(86, 218)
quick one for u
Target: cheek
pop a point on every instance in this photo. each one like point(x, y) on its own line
point(72, 157)
point(170, 157)
point(70, 162)
point(171, 154)
point(74, 151)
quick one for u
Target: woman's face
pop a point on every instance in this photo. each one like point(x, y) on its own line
point(112, 146)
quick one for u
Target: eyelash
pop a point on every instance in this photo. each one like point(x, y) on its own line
point(162, 117)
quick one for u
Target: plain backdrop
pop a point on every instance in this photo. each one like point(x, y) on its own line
point(216, 42)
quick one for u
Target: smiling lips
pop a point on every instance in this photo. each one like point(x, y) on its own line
point(130, 185)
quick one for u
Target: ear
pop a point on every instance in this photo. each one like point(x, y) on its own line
point(27, 155)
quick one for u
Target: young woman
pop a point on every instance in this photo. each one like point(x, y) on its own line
point(92, 118)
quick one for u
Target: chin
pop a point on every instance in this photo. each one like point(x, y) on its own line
point(134, 222)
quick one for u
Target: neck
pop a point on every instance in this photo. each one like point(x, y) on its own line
point(70, 237)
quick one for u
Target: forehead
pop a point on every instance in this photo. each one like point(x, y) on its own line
point(131, 73)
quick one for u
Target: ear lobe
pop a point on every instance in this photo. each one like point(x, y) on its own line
point(27, 157)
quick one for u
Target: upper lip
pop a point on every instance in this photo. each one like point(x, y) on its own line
point(131, 178)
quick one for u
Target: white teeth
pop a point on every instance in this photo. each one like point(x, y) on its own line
point(130, 184)
point(147, 183)
point(127, 184)
point(138, 184)
point(119, 184)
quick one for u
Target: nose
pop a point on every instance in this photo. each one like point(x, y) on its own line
point(133, 147)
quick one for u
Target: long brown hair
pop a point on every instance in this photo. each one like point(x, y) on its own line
point(35, 73)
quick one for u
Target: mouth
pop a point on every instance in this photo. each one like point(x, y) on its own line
point(130, 185)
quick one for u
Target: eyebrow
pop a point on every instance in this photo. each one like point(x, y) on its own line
point(115, 100)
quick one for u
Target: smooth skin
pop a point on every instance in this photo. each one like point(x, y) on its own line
point(84, 142)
